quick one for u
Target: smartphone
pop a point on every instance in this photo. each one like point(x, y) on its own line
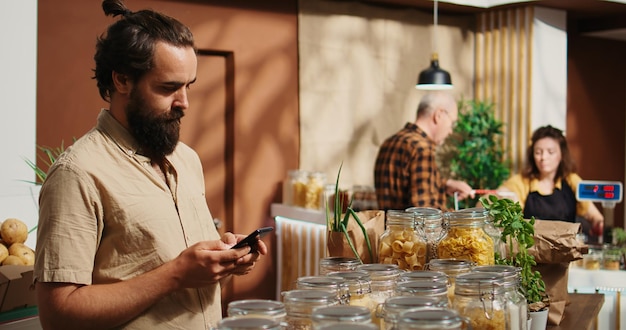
point(251, 240)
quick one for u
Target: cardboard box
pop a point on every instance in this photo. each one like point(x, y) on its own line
point(16, 287)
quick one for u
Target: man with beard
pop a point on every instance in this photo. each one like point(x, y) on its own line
point(125, 238)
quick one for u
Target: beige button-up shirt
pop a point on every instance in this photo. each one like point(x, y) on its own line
point(106, 215)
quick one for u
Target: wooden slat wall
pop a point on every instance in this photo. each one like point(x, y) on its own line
point(503, 74)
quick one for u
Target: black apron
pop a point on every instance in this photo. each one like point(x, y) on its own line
point(561, 205)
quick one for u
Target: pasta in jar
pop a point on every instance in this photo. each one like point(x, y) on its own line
point(466, 238)
point(400, 244)
point(481, 297)
point(428, 222)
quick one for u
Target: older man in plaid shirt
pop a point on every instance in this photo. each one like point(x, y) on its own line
point(405, 173)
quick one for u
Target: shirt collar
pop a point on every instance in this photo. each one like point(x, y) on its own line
point(415, 128)
point(118, 133)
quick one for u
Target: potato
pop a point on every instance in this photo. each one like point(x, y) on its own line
point(26, 254)
point(4, 252)
point(13, 231)
point(13, 260)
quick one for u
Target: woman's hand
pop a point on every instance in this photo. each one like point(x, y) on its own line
point(596, 219)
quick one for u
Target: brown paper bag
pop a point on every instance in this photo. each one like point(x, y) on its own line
point(374, 223)
point(555, 242)
point(555, 246)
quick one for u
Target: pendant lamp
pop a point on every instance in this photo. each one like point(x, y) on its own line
point(434, 77)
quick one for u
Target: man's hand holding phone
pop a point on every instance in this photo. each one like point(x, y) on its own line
point(252, 240)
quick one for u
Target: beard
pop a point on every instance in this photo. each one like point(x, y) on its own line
point(156, 134)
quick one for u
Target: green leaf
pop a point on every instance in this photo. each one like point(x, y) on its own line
point(336, 223)
point(518, 234)
point(344, 230)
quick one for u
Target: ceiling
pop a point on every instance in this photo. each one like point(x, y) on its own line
point(601, 18)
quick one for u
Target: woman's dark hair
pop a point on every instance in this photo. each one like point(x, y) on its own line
point(566, 166)
point(129, 44)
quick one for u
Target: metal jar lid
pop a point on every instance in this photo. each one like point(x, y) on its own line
point(510, 273)
point(423, 275)
point(255, 307)
point(477, 283)
point(309, 296)
point(357, 281)
point(348, 326)
point(340, 261)
point(427, 215)
point(404, 303)
point(381, 271)
point(330, 282)
point(342, 313)
point(449, 264)
point(248, 323)
point(393, 306)
point(421, 288)
point(430, 318)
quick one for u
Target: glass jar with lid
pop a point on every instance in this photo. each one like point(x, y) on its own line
point(611, 257)
point(338, 264)
point(301, 303)
point(437, 290)
point(314, 197)
point(401, 244)
point(294, 188)
point(491, 230)
point(429, 222)
point(344, 314)
point(349, 326)
point(480, 297)
point(593, 258)
point(429, 318)
point(465, 237)
point(423, 275)
point(247, 323)
point(393, 306)
point(359, 287)
point(452, 268)
point(258, 308)
point(516, 302)
point(383, 277)
point(332, 283)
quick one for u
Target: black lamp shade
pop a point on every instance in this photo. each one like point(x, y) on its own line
point(434, 78)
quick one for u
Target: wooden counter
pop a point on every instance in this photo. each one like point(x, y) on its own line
point(582, 312)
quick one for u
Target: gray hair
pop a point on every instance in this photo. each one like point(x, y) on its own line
point(433, 100)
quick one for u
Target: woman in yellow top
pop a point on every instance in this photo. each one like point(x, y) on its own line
point(546, 187)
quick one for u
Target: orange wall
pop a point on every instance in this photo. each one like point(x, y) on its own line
point(262, 35)
point(596, 107)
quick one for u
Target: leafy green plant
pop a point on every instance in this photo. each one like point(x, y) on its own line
point(50, 155)
point(518, 235)
point(473, 152)
point(337, 221)
point(619, 236)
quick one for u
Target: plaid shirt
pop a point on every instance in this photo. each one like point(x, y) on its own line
point(405, 173)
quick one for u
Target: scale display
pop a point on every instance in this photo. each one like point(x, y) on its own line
point(599, 191)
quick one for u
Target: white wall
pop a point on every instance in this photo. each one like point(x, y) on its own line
point(358, 68)
point(549, 71)
point(18, 68)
